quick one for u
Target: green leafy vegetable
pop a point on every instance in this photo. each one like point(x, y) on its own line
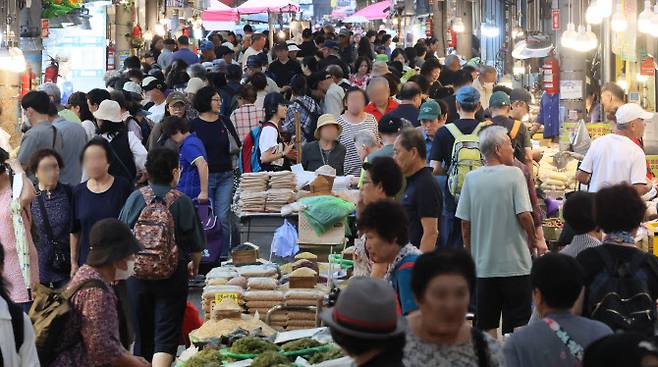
point(271, 359)
point(205, 358)
point(252, 345)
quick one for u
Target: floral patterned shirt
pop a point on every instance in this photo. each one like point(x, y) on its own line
point(94, 327)
point(418, 353)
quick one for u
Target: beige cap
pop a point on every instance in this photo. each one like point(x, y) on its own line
point(194, 85)
point(379, 68)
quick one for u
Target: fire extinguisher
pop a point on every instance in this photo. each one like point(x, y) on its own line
point(452, 38)
point(111, 57)
point(27, 80)
point(551, 69)
point(51, 72)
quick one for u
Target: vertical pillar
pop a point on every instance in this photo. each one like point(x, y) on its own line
point(151, 9)
point(123, 26)
point(465, 39)
point(572, 68)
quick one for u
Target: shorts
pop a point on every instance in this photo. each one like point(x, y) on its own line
point(510, 295)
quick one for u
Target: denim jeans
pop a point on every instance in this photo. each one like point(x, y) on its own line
point(220, 188)
point(450, 231)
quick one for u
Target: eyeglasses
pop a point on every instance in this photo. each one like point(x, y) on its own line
point(216, 99)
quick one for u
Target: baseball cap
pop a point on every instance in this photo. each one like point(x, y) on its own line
point(331, 44)
point(281, 46)
point(253, 61)
point(194, 84)
point(223, 51)
point(206, 45)
point(389, 125)
point(520, 94)
point(132, 87)
point(499, 99)
point(176, 97)
point(150, 83)
point(630, 112)
point(344, 32)
point(292, 46)
point(467, 95)
point(429, 110)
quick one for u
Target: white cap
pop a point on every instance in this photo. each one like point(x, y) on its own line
point(132, 87)
point(146, 81)
point(326, 170)
point(109, 110)
point(293, 47)
point(630, 112)
point(193, 85)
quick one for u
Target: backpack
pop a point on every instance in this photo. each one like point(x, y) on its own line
point(250, 153)
point(50, 313)
point(146, 127)
point(156, 231)
point(619, 295)
point(309, 131)
point(466, 157)
point(519, 150)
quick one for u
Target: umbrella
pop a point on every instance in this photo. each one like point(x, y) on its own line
point(356, 19)
point(22, 246)
point(375, 11)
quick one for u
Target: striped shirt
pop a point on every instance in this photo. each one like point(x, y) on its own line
point(245, 118)
point(352, 165)
point(579, 243)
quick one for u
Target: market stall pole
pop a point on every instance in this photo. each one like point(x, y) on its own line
point(298, 135)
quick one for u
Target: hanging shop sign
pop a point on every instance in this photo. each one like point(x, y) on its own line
point(647, 67)
point(555, 19)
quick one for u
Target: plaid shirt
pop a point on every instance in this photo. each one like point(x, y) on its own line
point(288, 124)
point(245, 118)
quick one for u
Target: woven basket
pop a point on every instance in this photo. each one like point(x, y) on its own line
point(334, 236)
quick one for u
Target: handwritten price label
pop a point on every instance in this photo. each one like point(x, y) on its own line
point(222, 296)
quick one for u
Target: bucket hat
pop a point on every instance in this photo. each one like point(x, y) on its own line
point(108, 110)
point(379, 68)
point(110, 240)
point(324, 120)
point(366, 309)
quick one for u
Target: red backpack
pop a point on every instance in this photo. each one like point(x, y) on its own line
point(155, 230)
point(250, 153)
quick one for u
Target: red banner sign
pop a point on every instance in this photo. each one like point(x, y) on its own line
point(555, 19)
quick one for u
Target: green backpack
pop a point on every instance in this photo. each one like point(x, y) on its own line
point(50, 315)
point(466, 157)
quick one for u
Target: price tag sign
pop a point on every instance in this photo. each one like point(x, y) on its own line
point(222, 296)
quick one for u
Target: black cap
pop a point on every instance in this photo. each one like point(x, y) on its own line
point(281, 46)
point(331, 44)
point(224, 50)
point(254, 61)
point(390, 125)
point(111, 240)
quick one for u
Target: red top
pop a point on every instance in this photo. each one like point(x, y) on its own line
point(372, 109)
point(639, 142)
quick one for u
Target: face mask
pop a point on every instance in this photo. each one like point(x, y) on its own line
point(121, 274)
point(25, 123)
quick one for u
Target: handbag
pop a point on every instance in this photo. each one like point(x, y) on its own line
point(59, 259)
point(212, 229)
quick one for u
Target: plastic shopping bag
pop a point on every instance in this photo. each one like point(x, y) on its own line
point(580, 139)
point(284, 243)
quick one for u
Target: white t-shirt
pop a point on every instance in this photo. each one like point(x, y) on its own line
point(613, 159)
point(267, 141)
point(157, 112)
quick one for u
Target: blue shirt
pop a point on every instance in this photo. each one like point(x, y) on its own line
point(186, 55)
point(549, 114)
point(428, 144)
point(190, 151)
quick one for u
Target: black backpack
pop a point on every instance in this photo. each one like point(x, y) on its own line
point(619, 295)
point(309, 130)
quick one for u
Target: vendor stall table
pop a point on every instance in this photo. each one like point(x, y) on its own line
point(258, 228)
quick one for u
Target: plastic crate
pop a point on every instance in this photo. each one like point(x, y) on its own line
point(334, 236)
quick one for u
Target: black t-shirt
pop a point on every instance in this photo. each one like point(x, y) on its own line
point(214, 136)
point(334, 60)
point(519, 141)
point(443, 141)
point(408, 112)
point(422, 199)
point(592, 265)
point(308, 49)
point(282, 73)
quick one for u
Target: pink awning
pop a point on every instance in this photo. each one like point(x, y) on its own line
point(264, 6)
point(218, 12)
point(340, 12)
point(375, 11)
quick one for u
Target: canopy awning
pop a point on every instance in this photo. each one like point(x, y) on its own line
point(375, 11)
point(265, 6)
point(218, 12)
point(340, 12)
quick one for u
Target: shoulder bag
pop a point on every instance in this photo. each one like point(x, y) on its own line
point(59, 259)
